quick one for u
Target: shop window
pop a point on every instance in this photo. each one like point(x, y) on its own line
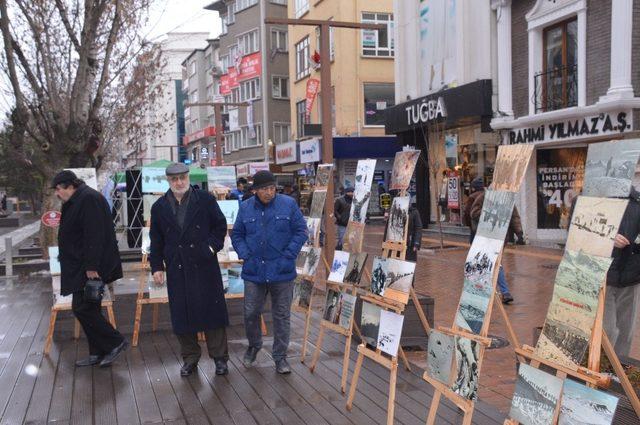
point(378, 43)
point(302, 58)
point(556, 86)
point(377, 98)
point(301, 119)
point(280, 87)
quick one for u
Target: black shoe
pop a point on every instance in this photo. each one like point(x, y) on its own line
point(188, 368)
point(221, 367)
point(113, 355)
point(282, 367)
point(250, 356)
point(507, 298)
point(89, 361)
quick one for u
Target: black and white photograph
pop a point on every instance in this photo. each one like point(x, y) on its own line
point(302, 289)
point(348, 306)
point(390, 331)
point(301, 259)
point(362, 192)
point(535, 397)
point(392, 278)
point(610, 168)
point(353, 274)
point(440, 356)
point(313, 230)
point(398, 218)
point(312, 261)
point(332, 306)
point(496, 214)
point(338, 266)
point(370, 323)
point(467, 368)
point(403, 166)
point(323, 175)
point(317, 203)
point(583, 405)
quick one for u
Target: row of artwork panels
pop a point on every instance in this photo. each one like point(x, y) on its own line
point(347, 267)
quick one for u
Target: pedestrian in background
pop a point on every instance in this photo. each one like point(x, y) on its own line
point(88, 250)
point(268, 235)
point(187, 230)
point(239, 191)
point(341, 213)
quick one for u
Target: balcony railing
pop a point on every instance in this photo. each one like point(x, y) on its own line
point(556, 89)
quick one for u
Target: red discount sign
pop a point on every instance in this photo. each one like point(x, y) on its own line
point(51, 218)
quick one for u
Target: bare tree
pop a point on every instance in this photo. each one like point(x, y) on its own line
point(82, 78)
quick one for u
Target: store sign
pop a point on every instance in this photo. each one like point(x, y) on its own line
point(204, 152)
point(254, 167)
point(453, 191)
point(313, 86)
point(286, 152)
point(200, 134)
point(309, 151)
point(426, 111)
point(250, 66)
point(575, 128)
point(51, 218)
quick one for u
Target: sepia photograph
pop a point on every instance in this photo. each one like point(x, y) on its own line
point(389, 332)
point(572, 311)
point(346, 313)
point(398, 218)
point(440, 356)
point(355, 268)
point(467, 368)
point(323, 175)
point(610, 168)
point(496, 214)
point(583, 405)
point(594, 225)
point(510, 166)
point(338, 266)
point(353, 237)
point(403, 166)
point(370, 323)
point(536, 396)
point(317, 203)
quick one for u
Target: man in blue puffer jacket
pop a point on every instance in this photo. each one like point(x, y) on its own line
point(268, 235)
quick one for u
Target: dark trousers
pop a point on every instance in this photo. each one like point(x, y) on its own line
point(102, 337)
point(255, 295)
point(216, 345)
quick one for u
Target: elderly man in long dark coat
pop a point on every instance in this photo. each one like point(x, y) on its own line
point(187, 230)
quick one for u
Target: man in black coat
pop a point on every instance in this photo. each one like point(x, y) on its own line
point(187, 230)
point(88, 250)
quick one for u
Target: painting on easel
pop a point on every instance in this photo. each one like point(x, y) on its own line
point(496, 214)
point(354, 236)
point(338, 308)
point(338, 266)
point(362, 192)
point(302, 289)
point(403, 166)
point(594, 225)
point(398, 217)
point(323, 175)
point(348, 307)
point(392, 278)
point(155, 290)
point(535, 397)
point(370, 323)
point(390, 332)
point(355, 268)
point(440, 356)
point(317, 203)
point(221, 177)
point(583, 405)
point(511, 165)
point(572, 312)
point(313, 230)
point(610, 168)
point(467, 368)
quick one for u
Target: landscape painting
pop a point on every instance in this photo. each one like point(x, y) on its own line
point(362, 192)
point(302, 289)
point(355, 267)
point(467, 368)
point(154, 180)
point(610, 168)
point(317, 203)
point(338, 266)
point(236, 283)
point(323, 175)
point(230, 210)
point(572, 311)
point(478, 286)
point(313, 230)
point(221, 177)
point(389, 332)
point(332, 306)
point(536, 396)
point(440, 356)
point(403, 166)
point(398, 218)
point(594, 225)
point(583, 405)
point(392, 278)
point(510, 167)
point(353, 237)
point(346, 313)
point(496, 214)
point(370, 323)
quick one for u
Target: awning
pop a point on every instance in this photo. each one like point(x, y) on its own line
point(365, 147)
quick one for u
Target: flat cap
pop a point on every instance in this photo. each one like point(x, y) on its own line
point(176, 168)
point(64, 176)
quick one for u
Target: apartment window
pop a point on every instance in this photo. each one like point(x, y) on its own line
point(302, 58)
point(235, 95)
point(556, 86)
point(302, 7)
point(193, 97)
point(280, 87)
point(283, 2)
point(279, 40)
point(281, 132)
point(378, 43)
point(377, 98)
point(225, 63)
point(243, 4)
point(225, 26)
point(192, 68)
point(301, 119)
point(227, 143)
point(233, 54)
point(250, 90)
point(332, 47)
point(227, 99)
point(231, 13)
point(245, 136)
point(248, 42)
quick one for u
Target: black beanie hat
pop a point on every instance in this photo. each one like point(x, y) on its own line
point(262, 179)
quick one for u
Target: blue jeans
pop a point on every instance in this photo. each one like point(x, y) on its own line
point(255, 295)
point(341, 231)
point(502, 281)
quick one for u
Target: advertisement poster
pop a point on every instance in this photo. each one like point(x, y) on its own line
point(560, 175)
point(313, 85)
point(453, 191)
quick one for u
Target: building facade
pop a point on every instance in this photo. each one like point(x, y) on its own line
point(444, 91)
point(568, 74)
point(254, 66)
point(362, 68)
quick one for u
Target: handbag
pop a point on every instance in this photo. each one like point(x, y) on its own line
point(94, 291)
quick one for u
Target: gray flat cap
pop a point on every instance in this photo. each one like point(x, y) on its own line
point(176, 168)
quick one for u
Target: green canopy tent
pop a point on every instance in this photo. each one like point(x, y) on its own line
point(197, 175)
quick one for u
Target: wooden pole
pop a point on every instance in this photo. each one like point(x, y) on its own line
point(217, 112)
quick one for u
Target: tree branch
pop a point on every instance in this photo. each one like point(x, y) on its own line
point(67, 25)
point(104, 76)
